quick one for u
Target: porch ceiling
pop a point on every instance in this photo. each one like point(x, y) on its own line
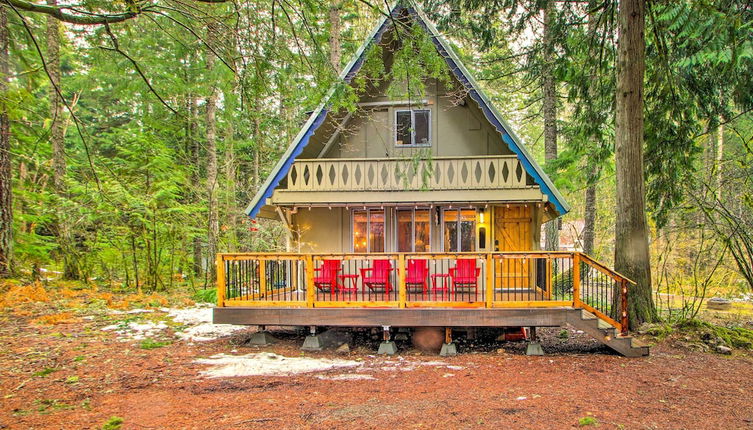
point(342, 198)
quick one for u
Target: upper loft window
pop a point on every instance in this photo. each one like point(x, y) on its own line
point(413, 127)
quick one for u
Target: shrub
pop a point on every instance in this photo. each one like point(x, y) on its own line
point(206, 295)
point(152, 344)
point(113, 423)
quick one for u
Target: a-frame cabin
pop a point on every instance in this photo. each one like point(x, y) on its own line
point(415, 211)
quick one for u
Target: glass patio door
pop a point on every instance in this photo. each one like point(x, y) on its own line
point(459, 230)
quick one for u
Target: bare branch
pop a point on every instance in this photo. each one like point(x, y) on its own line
point(84, 18)
point(116, 48)
point(58, 12)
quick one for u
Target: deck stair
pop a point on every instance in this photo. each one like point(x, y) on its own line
point(606, 334)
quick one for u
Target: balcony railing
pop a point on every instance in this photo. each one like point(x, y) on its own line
point(390, 174)
point(467, 280)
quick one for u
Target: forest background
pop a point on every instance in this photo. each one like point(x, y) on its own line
point(133, 133)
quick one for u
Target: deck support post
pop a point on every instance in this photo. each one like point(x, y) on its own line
point(387, 347)
point(262, 337)
point(312, 341)
point(534, 347)
point(449, 348)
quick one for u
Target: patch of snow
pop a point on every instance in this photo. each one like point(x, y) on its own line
point(408, 365)
point(267, 364)
point(346, 377)
point(432, 363)
point(200, 326)
point(397, 368)
point(131, 312)
point(137, 330)
point(197, 319)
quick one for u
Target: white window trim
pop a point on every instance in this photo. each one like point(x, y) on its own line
point(368, 228)
point(413, 225)
point(413, 143)
point(459, 238)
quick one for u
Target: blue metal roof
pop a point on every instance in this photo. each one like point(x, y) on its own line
point(461, 74)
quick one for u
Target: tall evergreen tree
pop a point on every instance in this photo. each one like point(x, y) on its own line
point(549, 94)
point(631, 229)
point(6, 191)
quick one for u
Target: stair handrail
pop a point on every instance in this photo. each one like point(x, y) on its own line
point(623, 282)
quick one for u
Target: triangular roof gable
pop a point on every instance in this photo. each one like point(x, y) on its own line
point(461, 74)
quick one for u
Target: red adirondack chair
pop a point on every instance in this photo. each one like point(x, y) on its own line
point(465, 275)
point(417, 274)
point(378, 275)
point(325, 277)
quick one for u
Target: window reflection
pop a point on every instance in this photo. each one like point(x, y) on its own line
point(376, 231)
point(459, 230)
point(413, 230)
point(368, 230)
point(360, 227)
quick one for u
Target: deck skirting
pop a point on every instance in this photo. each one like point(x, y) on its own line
point(394, 317)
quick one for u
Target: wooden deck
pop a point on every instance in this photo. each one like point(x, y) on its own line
point(508, 289)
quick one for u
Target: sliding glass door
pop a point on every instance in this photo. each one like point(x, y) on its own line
point(459, 230)
point(413, 230)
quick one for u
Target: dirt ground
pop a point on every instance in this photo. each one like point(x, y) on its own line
point(74, 375)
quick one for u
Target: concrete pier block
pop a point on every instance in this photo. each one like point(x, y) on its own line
point(534, 348)
point(262, 338)
point(449, 350)
point(387, 347)
point(312, 343)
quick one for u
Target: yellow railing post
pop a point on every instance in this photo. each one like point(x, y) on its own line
point(220, 281)
point(262, 277)
point(548, 275)
point(489, 279)
point(310, 288)
point(402, 290)
point(576, 279)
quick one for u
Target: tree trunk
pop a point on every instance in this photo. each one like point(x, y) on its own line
point(549, 89)
point(590, 210)
point(631, 254)
point(257, 155)
point(57, 142)
point(231, 199)
point(194, 154)
point(213, 223)
point(56, 106)
point(719, 160)
point(231, 210)
point(335, 52)
point(6, 191)
point(589, 225)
